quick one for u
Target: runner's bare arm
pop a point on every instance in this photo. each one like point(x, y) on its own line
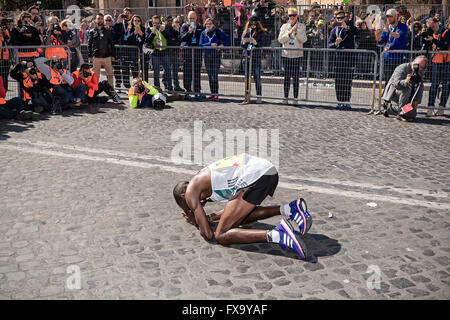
point(193, 201)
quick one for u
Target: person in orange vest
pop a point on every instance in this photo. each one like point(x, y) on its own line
point(440, 67)
point(86, 87)
point(60, 79)
point(55, 37)
point(34, 87)
point(25, 35)
point(4, 51)
point(12, 108)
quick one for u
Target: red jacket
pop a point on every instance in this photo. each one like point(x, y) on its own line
point(2, 92)
point(91, 82)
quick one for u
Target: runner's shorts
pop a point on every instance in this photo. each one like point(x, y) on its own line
point(261, 188)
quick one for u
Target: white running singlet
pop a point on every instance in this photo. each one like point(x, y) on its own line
point(234, 173)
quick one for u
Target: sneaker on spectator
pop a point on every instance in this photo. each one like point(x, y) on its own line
point(340, 107)
point(24, 115)
point(285, 101)
point(439, 112)
point(258, 100)
point(187, 97)
point(116, 99)
point(36, 116)
point(246, 101)
point(430, 112)
point(200, 96)
point(347, 107)
point(179, 89)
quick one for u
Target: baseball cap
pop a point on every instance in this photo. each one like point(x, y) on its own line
point(391, 12)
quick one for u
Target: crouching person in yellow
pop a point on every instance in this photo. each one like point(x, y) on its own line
point(141, 95)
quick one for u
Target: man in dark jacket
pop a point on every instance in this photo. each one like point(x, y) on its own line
point(173, 39)
point(190, 38)
point(101, 48)
point(25, 35)
point(342, 36)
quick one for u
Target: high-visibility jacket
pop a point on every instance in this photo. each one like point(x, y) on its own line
point(51, 52)
point(440, 57)
point(28, 83)
point(4, 53)
point(91, 82)
point(2, 92)
point(135, 99)
point(56, 78)
point(28, 53)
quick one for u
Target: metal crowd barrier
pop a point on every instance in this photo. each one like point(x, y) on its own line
point(123, 69)
point(435, 78)
point(11, 55)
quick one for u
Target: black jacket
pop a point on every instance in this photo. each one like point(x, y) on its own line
point(101, 43)
point(173, 36)
point(19, 39)
point(17, 74)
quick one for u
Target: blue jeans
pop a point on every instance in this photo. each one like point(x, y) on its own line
point(80, 92)
point(63, 93)
point(212, 64)
point(256, 72)
point(146, 101)
point(14, 106)
point(157, 60)
point(440, 73)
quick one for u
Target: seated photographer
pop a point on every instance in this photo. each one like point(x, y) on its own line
point(86, 87)
point(439, 38)
point(405, 87)
point(35, 88)
point(59, 78)
point(12, 108)
point(142, 95)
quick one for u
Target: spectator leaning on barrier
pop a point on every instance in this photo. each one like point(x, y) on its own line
point(142, 95)
point(156, 37)
point(86, 87)
point(213, 37)
point(342, 36)
point(440, 67)
point(393, 37)
point(72, 39)
point(25, 35)
point(172, 29)
point(292, 36)
point(101, 49)
point(253, 36)
point(12, 108)
point(405, 87)
point(190, 38)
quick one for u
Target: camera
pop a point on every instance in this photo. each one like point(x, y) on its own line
point(124, 16)
point(57, 27)
point(140, 88)
point(4, 22)
point(415, 76)
point(86, 73)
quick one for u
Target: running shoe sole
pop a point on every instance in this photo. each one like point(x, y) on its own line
point(287, 227)
point(302, 213)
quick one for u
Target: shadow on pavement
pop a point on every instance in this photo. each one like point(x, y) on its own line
point(317, 245)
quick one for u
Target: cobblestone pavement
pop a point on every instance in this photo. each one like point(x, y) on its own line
point(94, 191)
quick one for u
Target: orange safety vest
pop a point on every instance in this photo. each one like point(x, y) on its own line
point(4, 54)
point(27, 83)
point(56, 78)
point(440, 57)
point(131, 92)
point(2, 100)
point(51, 52)
point(90, 91)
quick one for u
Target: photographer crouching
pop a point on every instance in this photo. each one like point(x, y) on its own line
point(405, 87)
point(142, 95)
point(86, 87)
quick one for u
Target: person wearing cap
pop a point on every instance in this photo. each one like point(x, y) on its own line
point(394, 36)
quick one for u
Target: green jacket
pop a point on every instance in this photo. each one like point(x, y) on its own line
point(135, 99)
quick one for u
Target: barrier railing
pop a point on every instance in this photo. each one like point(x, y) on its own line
point(436, 76)
point(126, 66)
point(11, 55)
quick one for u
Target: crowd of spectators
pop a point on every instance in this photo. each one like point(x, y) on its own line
point(248, 24)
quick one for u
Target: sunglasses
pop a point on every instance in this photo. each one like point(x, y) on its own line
point(340, 18)
point(108, 20)
point(292, 15)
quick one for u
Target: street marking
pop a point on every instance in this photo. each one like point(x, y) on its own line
point(177, 169)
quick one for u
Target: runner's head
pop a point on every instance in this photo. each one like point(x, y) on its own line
point(178, 193)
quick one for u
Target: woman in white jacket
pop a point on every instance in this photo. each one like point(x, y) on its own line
point(292, 36)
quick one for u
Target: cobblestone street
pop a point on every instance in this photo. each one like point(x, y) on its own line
point(94, 191)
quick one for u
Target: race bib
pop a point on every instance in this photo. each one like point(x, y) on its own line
point(194, 40)
point(158, 42)
point(387, 46)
